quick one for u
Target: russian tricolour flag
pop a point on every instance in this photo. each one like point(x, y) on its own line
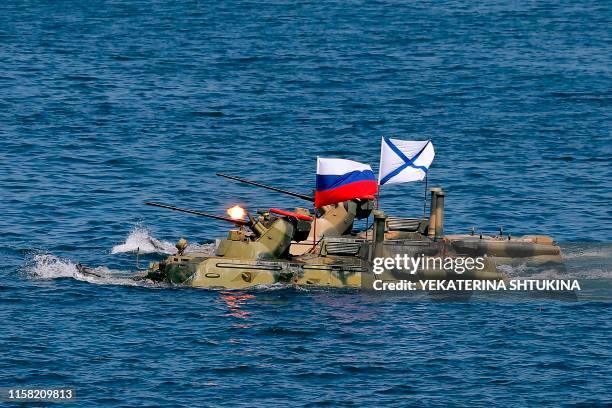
point(341, 180)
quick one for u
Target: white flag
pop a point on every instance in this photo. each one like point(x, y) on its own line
point(402, 161)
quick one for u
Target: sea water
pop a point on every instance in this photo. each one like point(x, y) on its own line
point(106, 105)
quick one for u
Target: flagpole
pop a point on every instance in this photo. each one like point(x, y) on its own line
point(314, 230)
point(368, 226)
point(382, 140)
point(314, 223)
point(425, 198)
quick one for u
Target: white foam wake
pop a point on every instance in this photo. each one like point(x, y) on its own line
point(588, 251)
point(592, 261)
point(48, 266)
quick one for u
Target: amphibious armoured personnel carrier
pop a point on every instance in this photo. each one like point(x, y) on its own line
point(257, 253)
point(288, 247)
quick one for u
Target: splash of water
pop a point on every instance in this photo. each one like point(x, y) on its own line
point(142, 241)
point(47, 266)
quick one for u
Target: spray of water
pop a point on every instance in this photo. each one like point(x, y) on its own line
point(48, 266)
point(142, 241)
point(44, 266)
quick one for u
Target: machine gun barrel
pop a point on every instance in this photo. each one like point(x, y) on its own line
point(200, 213)
point(280, 190)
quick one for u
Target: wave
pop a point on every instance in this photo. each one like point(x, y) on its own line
point(48, 266)
point(142, 241)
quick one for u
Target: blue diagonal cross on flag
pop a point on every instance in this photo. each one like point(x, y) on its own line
point(402, 161)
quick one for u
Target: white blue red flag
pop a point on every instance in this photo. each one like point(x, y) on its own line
point(402, 161)
point(340, 180)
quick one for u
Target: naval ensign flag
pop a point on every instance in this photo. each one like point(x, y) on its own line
point(402, 161)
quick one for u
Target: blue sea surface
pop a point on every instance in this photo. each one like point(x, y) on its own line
point(104, 105)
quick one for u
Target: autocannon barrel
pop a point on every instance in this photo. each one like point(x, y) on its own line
point(200, 213)
point(279, 190)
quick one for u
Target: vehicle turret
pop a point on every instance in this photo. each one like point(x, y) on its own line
point(266, 237)
point(332, 220)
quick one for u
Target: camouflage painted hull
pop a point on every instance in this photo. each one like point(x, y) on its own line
point(344, 262)
point(219, 272)
point(308, 270)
